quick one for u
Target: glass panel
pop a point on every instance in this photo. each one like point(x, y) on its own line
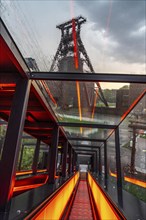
point(3, 128)
point(108, 49)
point(88, 105)
point(111, 164)
point(91, 133)
point(133, 150)
point(26, 152)
point(43, 156)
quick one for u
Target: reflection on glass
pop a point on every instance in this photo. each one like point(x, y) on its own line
point(133, 150)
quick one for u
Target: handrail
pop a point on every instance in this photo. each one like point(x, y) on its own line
point(106, 209)
point(54, 206)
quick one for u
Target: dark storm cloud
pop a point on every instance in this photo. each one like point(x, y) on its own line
point(127, 17)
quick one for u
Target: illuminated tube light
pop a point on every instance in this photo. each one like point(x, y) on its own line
point(29, 172)
point(131, 180)
point(133, 105)
point(135, 181)
point(55, 207)
point(24, 172)
point(105, 209)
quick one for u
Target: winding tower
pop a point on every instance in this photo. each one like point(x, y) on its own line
point(71, 56)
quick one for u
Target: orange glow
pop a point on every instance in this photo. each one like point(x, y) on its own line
point(93, 111)
point(79, 99)
point(55, 207)
point(21, 188)
point(27, 187)
point(112, 174)
point(48, 92)
point(7, 85)
point(29, 172)
point(130, 180)
point(105, 209)
point(24, 173)
point(135, 181)
point(75, 44)
point(133, 105)
point(79, 102)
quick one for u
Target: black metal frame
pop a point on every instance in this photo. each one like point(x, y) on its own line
point(86, 125)
point(12, 141)
point(88, 77)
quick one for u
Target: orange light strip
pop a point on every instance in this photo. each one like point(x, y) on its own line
point(112, 174)
point(79, 99)
point(79, 102)
point(24, 173)
point(105, 209)
point(130, 180)
point(94, 106)
point(55, 207)
point(19, 173)
point(7, 85)
point(32, 186)
point(133, 105)
point(135, 181)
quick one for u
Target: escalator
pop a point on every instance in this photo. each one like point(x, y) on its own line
point(80, 197)
point(81, 206)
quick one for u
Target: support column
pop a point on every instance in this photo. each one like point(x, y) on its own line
point(64, 162)
point(53, 155)
point(133, 151)
point(48, 159)
point(21, 157)
point(100, 165)
point(70, 160)
point(118, 168)
point(12, 141)
point(36, 157)
point(76, 159)
point(105, 165)
point(92, 163)
point(96, 162)
point(73, 160)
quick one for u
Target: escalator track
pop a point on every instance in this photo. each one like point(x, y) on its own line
point(81, 208)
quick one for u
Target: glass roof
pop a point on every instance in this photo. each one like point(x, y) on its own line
point(113, 33)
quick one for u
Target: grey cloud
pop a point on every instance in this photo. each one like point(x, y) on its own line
point(126, 17)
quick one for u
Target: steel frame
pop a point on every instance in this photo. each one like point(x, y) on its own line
point(86, 125)
point(12, 141)
point(88, 77)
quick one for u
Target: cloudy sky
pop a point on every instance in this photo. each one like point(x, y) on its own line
point(114, 34)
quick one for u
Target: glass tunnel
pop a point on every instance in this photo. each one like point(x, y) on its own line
point(72, 139)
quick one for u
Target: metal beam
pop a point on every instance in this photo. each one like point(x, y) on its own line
point(88, 77)
point(4, 107)
point(78, 150)
point(118, 167)
point(53, 155)
point(85, 139)
point(12, 141)
point(86, 125)
point(64, 161)
point(85, 146)
point(70, 160)
point(39, 125)
point(105, 165)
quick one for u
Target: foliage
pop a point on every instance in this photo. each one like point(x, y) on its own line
point(135, 190)
point(27, 159)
